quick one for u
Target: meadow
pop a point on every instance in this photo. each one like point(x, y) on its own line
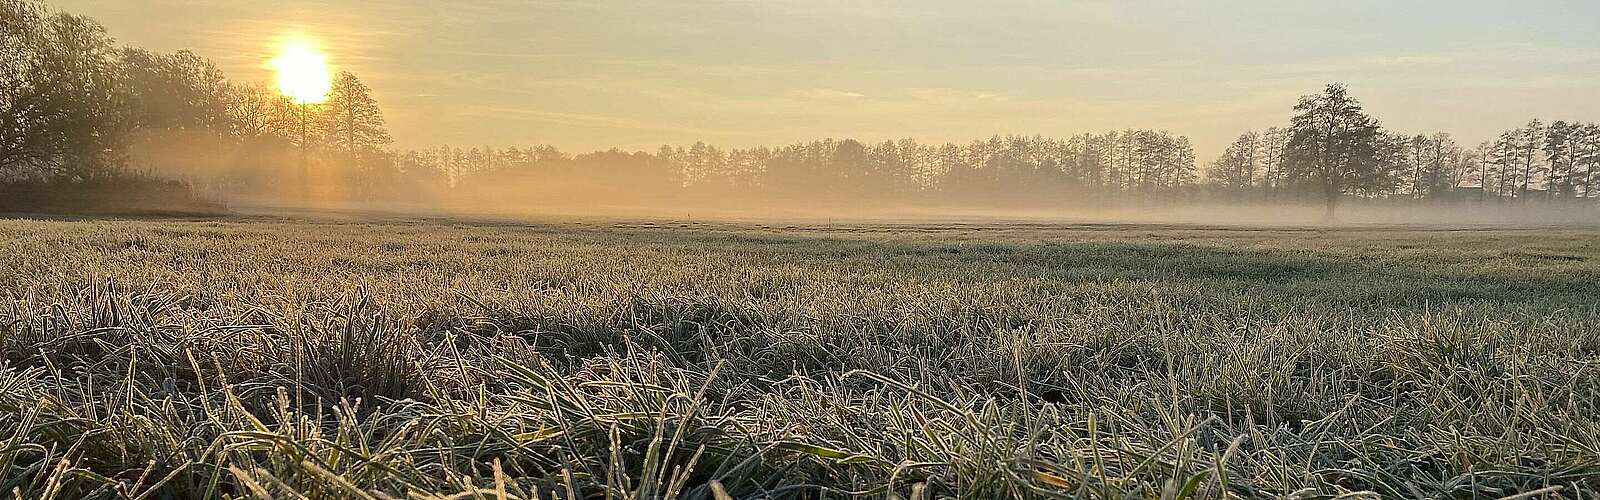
point(432, 358)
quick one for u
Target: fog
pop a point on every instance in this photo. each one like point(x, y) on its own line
point(807, 183)
point(90, 125)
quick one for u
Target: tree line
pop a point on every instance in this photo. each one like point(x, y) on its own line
point(76, 106)
point(81, 107)
point(1000, 170)
point(1333, 147)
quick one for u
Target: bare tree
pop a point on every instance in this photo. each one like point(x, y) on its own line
point(1336, 145)
point(1236, 169)
point(1528, 142)
point(351, 120)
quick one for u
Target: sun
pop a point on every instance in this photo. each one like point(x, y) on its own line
point(303, 74)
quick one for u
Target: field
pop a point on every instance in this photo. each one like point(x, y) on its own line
point(278, 358)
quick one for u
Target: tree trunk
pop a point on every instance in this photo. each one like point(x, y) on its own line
point(1527, 177)
point(1331, 194)
point(1483, 179)
point(1589, 179)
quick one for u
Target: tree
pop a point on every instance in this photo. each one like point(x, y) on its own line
point(1561, 147)
point(351, 120)
point(258, 112)
point(1336, 145)
point(179, 91)
point(1236, 169)
point(179, 114)
point(1435, 162)
point(1385, 174)
point(1415, 148)
point(62, 111)
point(25, 119)
point(1588, 147)
point(1499, 163)
point(1181, 172)
point(1529, 139)
point(1273, 142)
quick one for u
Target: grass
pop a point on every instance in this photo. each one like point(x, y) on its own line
point(430, 359)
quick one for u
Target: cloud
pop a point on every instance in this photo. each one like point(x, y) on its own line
point(827, 94)
point(584, 120)
point(602, 72)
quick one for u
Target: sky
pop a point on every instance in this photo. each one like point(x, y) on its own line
point(595, 74)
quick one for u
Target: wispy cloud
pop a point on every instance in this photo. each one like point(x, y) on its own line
point(593, 73)
point(586, 120)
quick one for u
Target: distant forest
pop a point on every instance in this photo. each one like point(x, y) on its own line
point(77, 108)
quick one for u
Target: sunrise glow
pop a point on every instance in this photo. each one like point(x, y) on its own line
point(302, 71)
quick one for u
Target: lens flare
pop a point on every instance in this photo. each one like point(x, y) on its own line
point(303, 74)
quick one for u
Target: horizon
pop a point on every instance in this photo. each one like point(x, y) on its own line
point(475, 75)
point(1104, 248)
